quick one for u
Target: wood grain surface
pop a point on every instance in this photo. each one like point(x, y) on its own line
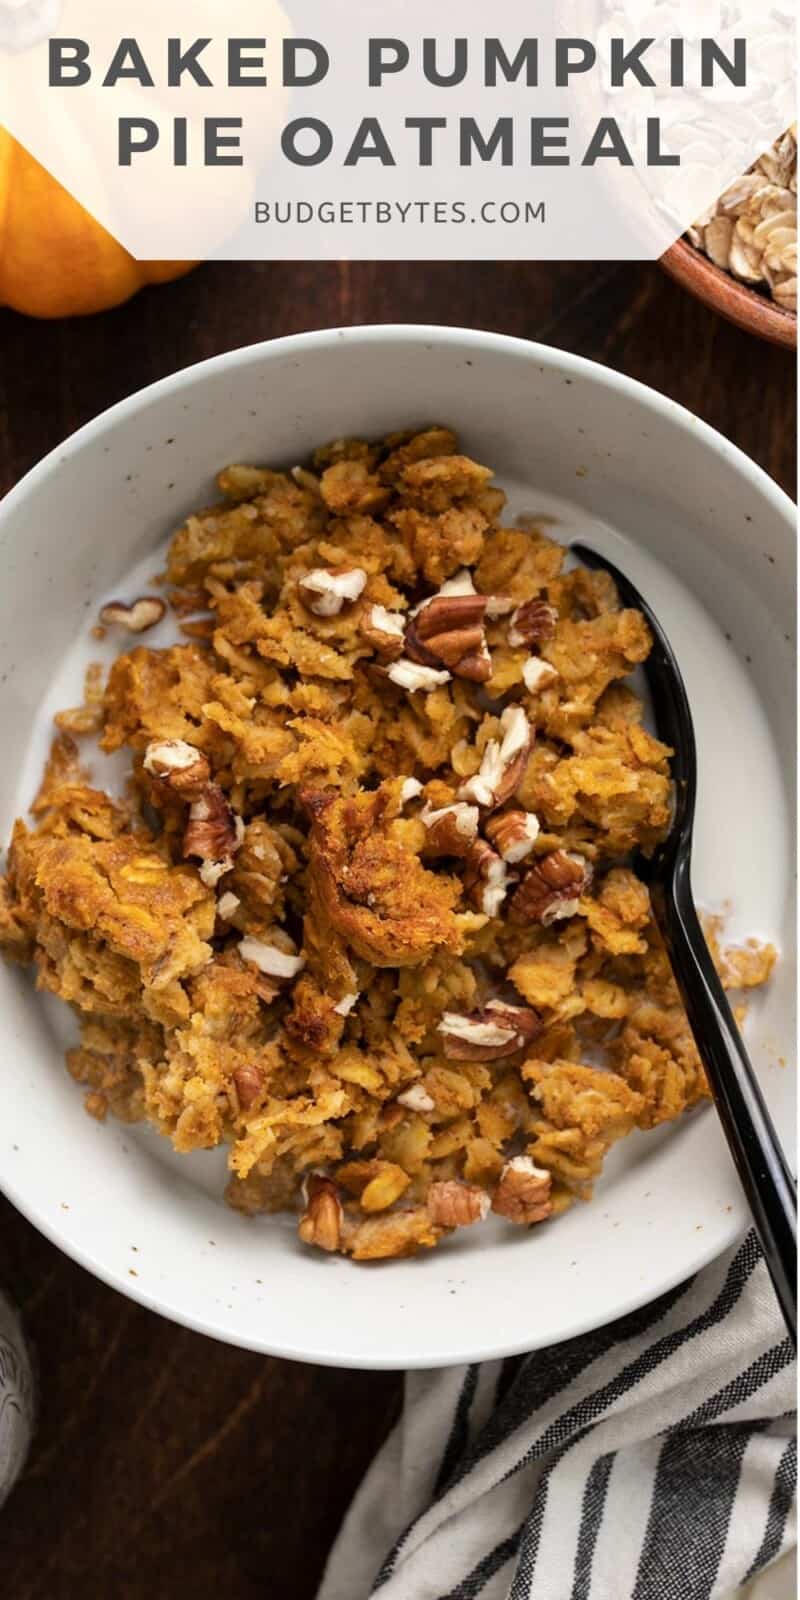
point(166, 1464)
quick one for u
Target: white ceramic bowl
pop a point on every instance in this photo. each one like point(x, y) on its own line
point(710, 540)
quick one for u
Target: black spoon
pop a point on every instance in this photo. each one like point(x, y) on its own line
point(748, 1127)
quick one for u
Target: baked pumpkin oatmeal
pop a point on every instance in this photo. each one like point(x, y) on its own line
point(365, 912)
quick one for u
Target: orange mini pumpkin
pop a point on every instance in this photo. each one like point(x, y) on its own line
point(55, 259)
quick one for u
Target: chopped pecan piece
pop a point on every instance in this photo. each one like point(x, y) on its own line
point(551, 889)
point(498, 605)
point(537, 674)
point(488, 1035)
point(326, 592)
point(453, 1204)
point(411, 789)
point(227, 906)
point(384, 630)
point(451, 829)
point(276, 963)
point(416, 1098)
point(144, 613)
point(448, 631)
point(321, 1222)
point(179, 764)
point(346, 1004)
point(213, 834)
point(513, 834)
point(460, 583)
point(532, 623)
point(411, 676)
point(503, 762)
point(485, 878)
point(523, 1193)
point(249, 1081)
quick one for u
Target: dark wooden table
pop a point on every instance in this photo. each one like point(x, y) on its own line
point(166, 1464)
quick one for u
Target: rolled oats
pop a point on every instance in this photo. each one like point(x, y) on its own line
point(751, 231)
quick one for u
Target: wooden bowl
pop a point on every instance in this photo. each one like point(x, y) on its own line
point(746, 307)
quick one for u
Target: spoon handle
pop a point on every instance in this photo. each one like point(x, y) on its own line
point(747, 1124)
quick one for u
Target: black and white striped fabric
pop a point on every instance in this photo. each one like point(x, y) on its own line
point(654, 1459)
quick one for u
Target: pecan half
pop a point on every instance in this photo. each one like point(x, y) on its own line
point(213, 834)
point(179, 764)
point(488, 1035)
point(485, 878)
point(451, 830)
point(144, 613)
point(551, 889)
point(321, 1222)
point(249, 1081)
point(448, 631)
point(384, 630)
point(326, 592)
point(503, 762)
point(513, 834)
point(532, 623)
point(454, 1204)
point(523, 1193)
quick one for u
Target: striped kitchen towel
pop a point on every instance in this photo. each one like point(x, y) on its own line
point(654, 1459)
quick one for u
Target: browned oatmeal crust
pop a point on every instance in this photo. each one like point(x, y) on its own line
point(364, 914)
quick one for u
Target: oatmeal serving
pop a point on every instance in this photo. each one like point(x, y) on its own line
point(364, 913)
